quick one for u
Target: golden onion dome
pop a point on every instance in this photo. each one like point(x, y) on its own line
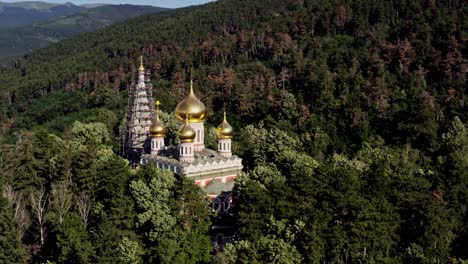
point(187, 133)
point(158, 129)
point(191, 107)
point(224, 131)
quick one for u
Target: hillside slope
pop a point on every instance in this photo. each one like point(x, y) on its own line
point(323, 52)
point(222, 33)
point(350, 118)
point(21, 40)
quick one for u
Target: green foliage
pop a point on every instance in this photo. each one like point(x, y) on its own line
point(131, 252)
point(173, 216)
point(11, 248)
point(350, 119)
point(73, 242)
point(152, 199)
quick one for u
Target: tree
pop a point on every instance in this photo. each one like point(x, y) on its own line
point(40, 206)
point(61, 199)
point(152, 200)
point(21, 214)
point(83, 206)
point(11, 248)
point(131, 251)
point(73, 243)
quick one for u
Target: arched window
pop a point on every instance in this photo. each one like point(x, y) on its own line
point(219, 240)
point(181, 150)
point(226, 206)
point(216, 205)
point(198, 135)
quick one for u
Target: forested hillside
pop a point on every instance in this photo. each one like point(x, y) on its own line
point(16, 41)
point(351, 117)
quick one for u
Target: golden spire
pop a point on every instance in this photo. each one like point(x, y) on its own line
point(157, 103)
point(141, 63)
point(224, 130)
point(158, 129)
point(191, 86)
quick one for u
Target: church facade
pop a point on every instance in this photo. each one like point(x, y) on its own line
point(212, 170)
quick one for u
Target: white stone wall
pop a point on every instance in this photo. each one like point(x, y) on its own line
point(224, 147)
point(186, 152)
point(157, 144)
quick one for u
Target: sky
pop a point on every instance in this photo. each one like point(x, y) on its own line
point(160, 3)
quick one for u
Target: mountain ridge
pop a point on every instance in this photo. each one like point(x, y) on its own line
point(20, 40)
point(25, 13)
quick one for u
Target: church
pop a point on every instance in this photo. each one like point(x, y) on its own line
point(213, 170)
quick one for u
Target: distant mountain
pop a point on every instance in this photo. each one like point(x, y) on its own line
point(21, 40)
point(37, 5)
point(93, 5)
point(25, 13)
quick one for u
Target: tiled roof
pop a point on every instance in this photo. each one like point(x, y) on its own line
point(217, 187)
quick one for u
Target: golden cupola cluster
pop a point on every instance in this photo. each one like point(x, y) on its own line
point(157, 128)
point(187, 133)
point(224, 130)
point(191, 108)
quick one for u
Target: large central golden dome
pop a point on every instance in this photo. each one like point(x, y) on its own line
point(191, 107)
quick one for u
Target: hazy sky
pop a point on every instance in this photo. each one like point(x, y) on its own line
point(161, 3)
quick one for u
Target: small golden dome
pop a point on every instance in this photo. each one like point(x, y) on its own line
point(158, 129)
point(191, 107)
point(187, 133)
point(224, 131)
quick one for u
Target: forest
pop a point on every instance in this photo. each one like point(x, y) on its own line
point(350, 117)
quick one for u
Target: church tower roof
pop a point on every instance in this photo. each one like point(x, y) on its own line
point(224, 130)
point(187, 134)
point(191, 107)
point(157, 129)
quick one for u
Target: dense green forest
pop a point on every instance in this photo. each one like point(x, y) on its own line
point(350, 116)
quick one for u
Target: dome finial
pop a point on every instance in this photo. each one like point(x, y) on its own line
point(158, 129)
point(191, 86)
point(141, 63)
point(157, 103)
